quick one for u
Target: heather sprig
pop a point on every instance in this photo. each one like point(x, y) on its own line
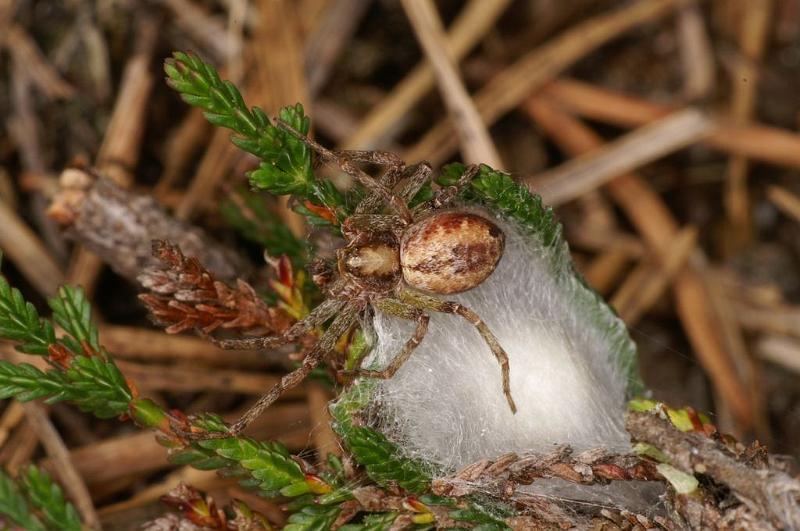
point(35, 502)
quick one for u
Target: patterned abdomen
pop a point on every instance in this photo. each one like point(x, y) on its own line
point(450, 252)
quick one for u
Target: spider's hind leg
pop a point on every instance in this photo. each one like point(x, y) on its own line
point(399, 309)
point(432, 303)
point(326, 344)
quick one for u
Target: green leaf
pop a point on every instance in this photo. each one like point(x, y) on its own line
point(97, 386)
point(378, 455)
point(267, 466)
point(19, 321)
point(249, 215)
point(48, 498)
point(26, 382)
point(373, 522)
point(285, 160)
point(14, 505)
point(73, 313)
point(682, 482)
point(313, 518)
point(501, 194)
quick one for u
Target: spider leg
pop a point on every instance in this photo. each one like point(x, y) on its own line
point(347, 165)
point(372, 203)
point(431, 303)
point(446, 195)
point(317, 317)
point(371, 223)
point(325, 345)
point(419, 177)
point(399, 309)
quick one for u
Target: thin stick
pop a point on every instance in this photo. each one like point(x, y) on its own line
point(513, 84)
point(62, 463)
point(648, 282)
point(476, 144)
point(325, 440)
point(781, 350)
point(126, 344)
point(587, 172)
point(329, 38)
point(606, 268)
point(786, 201)
point(755, 16)
point(119, 151)
point(194, 379)
point(472, 23)
point(655, 223)
point(754, 141)
point(23, 247)
point(697, 55)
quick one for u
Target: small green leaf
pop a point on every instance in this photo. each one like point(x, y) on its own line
point(313, 518)
point(682, 482)
point(19, 321)
point(73, 313)
point(48, 498)
point(378, 455)
point(14, 506)
point(373, 522)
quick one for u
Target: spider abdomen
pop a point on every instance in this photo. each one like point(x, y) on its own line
point(450, 252)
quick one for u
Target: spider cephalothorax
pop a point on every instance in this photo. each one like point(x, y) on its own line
point(396, 260)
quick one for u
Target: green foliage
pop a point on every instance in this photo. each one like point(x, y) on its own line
point(266, 466)
point(501, 194)
point(378, 455)
point(94, 385)
point(373, 522)
point(46, 496)
point(73, 313)
point(249, 215)
point(285, 161)
point(85, 378)
point(15, 507)
point(19, 321)
point(313, 518)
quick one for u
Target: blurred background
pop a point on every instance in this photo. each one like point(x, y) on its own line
point(663, 132)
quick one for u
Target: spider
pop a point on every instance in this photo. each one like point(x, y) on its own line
point(395, 262)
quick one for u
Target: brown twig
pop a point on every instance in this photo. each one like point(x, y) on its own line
point(24, 248)
point(472, 23)
point(119, 151)
point(515, 83)
point(753, 31)
point(786, 201)
point(120, 225)
point(649, 281)
point(62, 462)
point(328, 40)
point(767, 493)
point(754, 141)
point(592, 169)
point(476, 144)
point(503, 475)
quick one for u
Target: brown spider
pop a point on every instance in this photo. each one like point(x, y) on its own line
point(395, 263)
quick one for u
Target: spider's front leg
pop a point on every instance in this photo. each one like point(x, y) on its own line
point(422, 301)
point(347, 165)
point(446, 195)
point(398, 309)
point(326, 344)
point(316, 318)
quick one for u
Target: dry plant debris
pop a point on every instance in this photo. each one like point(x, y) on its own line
point(691, 231)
